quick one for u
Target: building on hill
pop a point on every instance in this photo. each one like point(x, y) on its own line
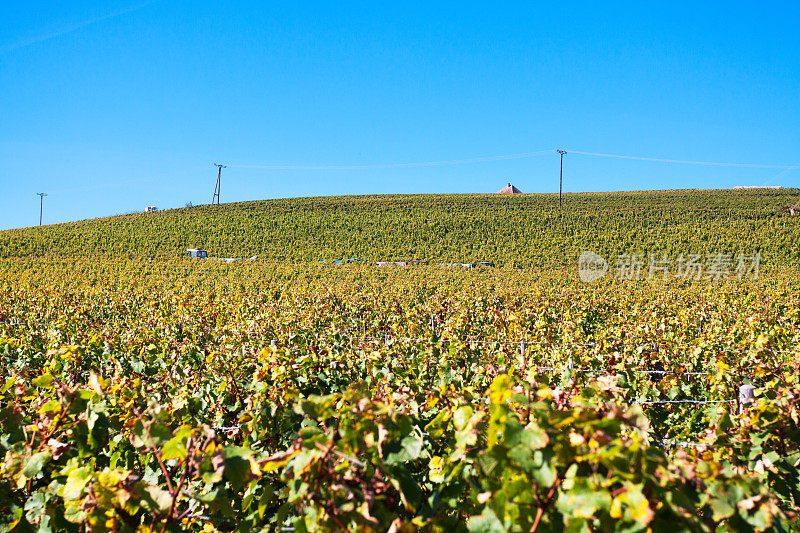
point(509, 189)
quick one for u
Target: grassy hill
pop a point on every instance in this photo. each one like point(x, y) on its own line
point(520, 229)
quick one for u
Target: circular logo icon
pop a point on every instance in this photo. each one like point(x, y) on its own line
point(591, 267)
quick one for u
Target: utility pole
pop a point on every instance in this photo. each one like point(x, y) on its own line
point(41, 205)
point(560, 175)
point(218, 187)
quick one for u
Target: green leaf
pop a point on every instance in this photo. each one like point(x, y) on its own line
point(76, 480)
point(543, 474)
point(535, 437)
point(407, 449)
point(725, 425)
point(409, 490)
point(487, 522)
point(156, 500)
point(44, 381)
point(156, 434)
point(35, 464)
point(722, 508)
point(436, 427)
point(461, 416)
point(176, 447)
point(73, 513)
point(761, 519)
point(583, 500)
point(36, 505)
point(488, 461)
point(309, 432)
point(10, 382)
point(523, 456)
point(237, 465)
point(514, 432)
point(50, 407)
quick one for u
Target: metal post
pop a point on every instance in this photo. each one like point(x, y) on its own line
point(41, 205)
point(218, 186)
point(746, 395)
point(560, 175)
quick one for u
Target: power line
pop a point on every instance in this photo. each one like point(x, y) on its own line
point(523, 155)
point(397, 165)
point(137, 180)
point(71, 28)
point(780, 174)
point(686, 162)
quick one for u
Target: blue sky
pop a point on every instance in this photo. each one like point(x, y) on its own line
point(112, 106)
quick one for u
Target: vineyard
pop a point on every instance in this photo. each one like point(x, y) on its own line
point(176, 394)
point(520, 230)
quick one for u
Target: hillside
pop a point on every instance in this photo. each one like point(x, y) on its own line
point(519, 229)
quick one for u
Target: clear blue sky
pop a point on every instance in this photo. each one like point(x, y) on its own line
point(112, 106)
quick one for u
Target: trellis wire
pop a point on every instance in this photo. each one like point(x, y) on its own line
point(694, 402)
point(681, 443)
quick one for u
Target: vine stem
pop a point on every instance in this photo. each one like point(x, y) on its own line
point(156, 453)
point(178, 489)
point(540, 509)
